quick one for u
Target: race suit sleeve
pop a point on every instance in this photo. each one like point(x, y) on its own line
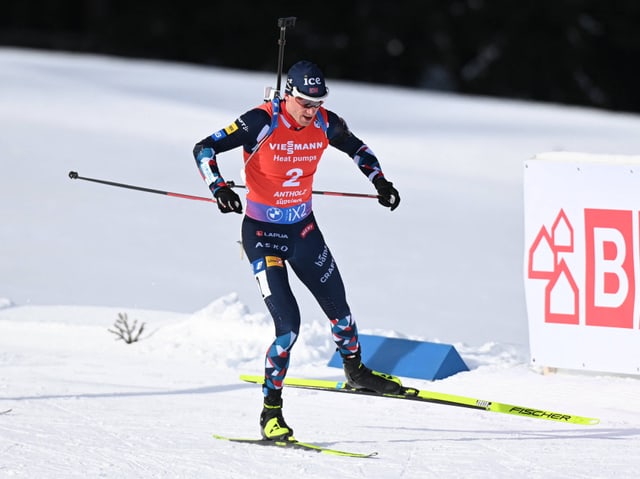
point(246, 131)
point(340, 137)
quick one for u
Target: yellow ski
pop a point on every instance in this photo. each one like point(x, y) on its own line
point(292, 443)
point(435, 397)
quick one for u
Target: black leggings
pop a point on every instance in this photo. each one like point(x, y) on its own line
point(269, 248)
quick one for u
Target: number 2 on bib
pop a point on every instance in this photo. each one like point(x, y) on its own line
point(294, 174)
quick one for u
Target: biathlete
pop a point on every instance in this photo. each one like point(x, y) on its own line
point(283, 142)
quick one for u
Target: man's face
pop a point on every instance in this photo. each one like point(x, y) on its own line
point(303, 111)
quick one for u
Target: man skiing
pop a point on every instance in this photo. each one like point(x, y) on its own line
point(283, 141)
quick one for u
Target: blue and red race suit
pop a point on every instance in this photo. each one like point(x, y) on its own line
point(279, 227)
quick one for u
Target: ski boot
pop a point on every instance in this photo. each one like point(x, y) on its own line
point(272, 424)
point(361, 377)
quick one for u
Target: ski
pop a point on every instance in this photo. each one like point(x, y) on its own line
point(6, 411)
point(413, 394)
point(292, 443)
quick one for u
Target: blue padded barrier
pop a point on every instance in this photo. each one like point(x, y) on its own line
point(407, 358)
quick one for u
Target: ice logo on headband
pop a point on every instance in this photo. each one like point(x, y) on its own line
point(313, 83)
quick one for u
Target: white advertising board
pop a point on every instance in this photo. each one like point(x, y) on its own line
point(582, 261)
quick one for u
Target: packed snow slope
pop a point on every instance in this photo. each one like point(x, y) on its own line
point(445, 266)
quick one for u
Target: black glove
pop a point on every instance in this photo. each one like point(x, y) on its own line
point(228, 200)
point(387, 195)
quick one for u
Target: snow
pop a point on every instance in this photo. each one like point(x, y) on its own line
point(445, 266)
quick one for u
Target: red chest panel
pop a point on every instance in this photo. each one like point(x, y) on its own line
point(281, 172)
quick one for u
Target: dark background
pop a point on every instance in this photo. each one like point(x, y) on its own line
point(575, 52)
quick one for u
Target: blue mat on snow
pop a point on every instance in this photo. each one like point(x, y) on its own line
point(407, 358)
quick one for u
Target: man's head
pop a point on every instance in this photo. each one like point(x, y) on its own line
point(306, 87)
point(305, 80)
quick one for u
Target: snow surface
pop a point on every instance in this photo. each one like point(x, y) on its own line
point(446, 266)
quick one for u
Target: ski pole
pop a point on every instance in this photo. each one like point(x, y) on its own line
point(232, 184)
point(74, 176)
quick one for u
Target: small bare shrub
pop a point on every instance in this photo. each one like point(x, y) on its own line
point(123, 330)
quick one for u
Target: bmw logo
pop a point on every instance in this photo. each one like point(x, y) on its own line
point(274, 214)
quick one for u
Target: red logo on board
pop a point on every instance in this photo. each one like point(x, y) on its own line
point(608, 285)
